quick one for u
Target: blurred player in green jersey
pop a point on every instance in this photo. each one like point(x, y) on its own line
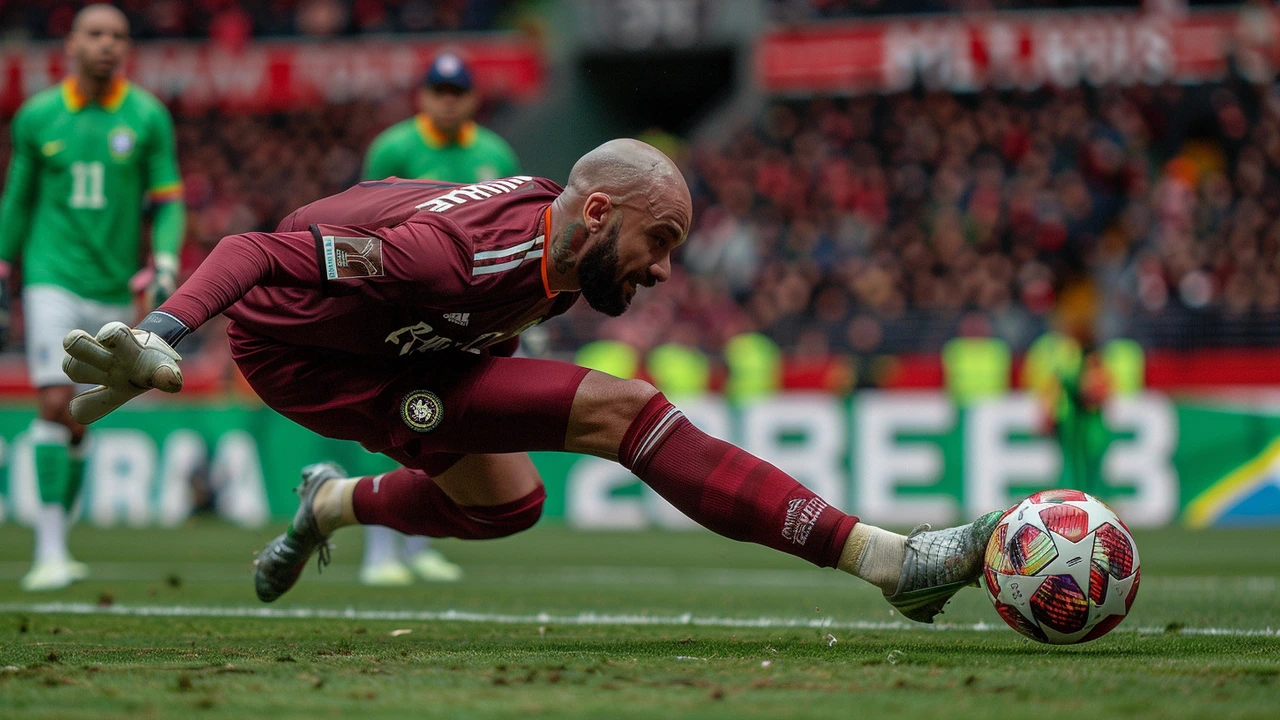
point(441, 142)
point(1068, 376)
point(87, 155)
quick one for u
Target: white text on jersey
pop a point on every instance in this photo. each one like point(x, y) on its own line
point(479, 191)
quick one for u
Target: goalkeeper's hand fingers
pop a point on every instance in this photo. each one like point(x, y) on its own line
point(92, 405)
point(123, 362)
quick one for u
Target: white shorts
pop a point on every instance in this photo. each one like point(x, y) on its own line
point(51, 312)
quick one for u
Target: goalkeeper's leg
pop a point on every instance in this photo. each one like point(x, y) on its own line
point(508, 406)
point(480, 497)
point(740, 496)
point(722, 487)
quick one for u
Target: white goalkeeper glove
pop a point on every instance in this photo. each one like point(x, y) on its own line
point(122, 362)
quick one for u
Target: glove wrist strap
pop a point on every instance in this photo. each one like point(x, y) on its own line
point(165, 262)
point(169, 328)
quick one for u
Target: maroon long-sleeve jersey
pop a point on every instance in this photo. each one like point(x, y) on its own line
point(388, 268)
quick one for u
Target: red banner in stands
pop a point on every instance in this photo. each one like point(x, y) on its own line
point(276, 75)
point(1012, 50)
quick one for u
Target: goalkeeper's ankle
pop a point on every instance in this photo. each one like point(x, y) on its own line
point(332, 505)
point(875, 555)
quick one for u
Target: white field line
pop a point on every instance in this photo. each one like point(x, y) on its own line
point(598, 575)
point(581, 619)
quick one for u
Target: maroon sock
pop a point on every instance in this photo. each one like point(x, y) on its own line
point(728, 490)
point(411, 502)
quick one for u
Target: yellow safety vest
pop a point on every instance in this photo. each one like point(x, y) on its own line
point(976, 368)
point(755, 367)
point(679, 370)
point(609, 356)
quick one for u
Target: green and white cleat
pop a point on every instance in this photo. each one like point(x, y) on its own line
point(431, 565)
point(938, 564)
point(281, 562)
point(45, 576)
point(77, 570)
point(390, 573)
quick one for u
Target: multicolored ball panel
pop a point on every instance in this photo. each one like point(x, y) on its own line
point(1069, 521)
point(995, 557)
point(1014, 619)
point(1060, 604)
point(1030, 550)
point(1060, 495)
point(1113, 551)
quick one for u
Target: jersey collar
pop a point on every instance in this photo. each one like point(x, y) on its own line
point(546, 250)
point(111, 102)
point(437, 140)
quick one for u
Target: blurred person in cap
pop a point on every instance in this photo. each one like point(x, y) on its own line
point(442, 142)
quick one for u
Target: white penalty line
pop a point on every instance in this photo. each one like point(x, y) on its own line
point(542, 619)
point(602, 575)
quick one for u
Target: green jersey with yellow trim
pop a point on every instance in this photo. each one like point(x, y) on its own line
point(77, 180)
point(413, 149)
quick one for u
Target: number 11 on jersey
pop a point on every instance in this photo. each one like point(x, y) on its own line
point(86, 186)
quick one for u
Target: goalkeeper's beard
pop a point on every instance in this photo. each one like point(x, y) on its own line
point(603, 290)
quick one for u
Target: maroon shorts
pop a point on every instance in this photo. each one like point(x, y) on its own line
point(424, 414)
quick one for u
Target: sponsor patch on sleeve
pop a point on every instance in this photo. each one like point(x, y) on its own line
point(352, 257)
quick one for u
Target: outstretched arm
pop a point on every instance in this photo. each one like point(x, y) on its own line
point(125, 362)
point(413, 260)
point(236, 265)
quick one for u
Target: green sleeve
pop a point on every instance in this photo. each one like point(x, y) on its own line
point(168, 225)
point(381, 160)
point(19, 191)
point(164, 185)
point(510, 164)
point(163, 176)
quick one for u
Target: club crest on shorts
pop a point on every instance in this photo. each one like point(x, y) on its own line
point(422, 411)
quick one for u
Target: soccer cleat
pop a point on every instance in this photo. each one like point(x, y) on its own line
point(47, 576)
point(283, 559)
point(938, 564)
point(433, 566)
point(391, 573)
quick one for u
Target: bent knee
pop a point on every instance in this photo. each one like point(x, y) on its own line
point(632, 396)
point(496, 521)
point(603, 409)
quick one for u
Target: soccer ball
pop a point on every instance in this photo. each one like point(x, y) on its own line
point(1061, 568)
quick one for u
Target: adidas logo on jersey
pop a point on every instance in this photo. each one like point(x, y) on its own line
point(462, 319)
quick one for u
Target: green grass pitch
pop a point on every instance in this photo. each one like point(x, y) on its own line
point(554, 623)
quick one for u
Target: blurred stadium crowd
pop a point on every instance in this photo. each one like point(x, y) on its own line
point(236, 20)
point(889, 224)
point(805, 10)
point(866, 225)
